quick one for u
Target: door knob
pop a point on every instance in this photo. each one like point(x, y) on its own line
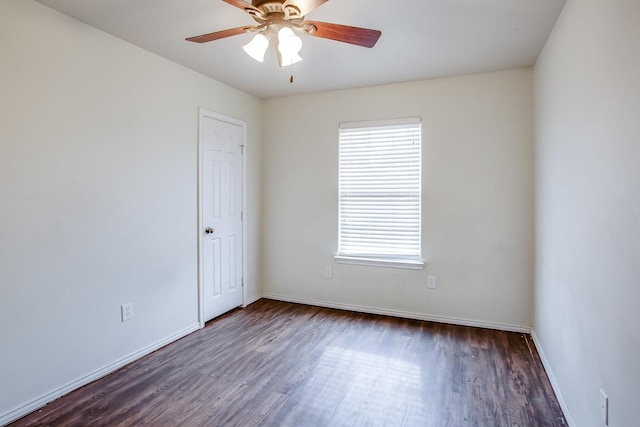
point(209, 230)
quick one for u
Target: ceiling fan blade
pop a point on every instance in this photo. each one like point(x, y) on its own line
point(344, 33)
point(247, 7)
point(303, 6)
point(218, 35)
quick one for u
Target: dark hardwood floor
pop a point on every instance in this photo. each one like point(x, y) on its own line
point(281, 364)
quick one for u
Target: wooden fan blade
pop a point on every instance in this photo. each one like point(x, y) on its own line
point(304, 6)
point(240, 4)
point(218, 35)
point(344, 33)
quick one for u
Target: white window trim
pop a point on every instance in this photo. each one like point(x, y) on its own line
point(406, 264)
point(414, 264)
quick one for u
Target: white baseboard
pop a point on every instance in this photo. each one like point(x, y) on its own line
point(552, 379)
point(28, 407)
point(403, 314)
point(251, 300)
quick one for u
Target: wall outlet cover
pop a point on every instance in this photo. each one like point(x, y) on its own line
point(328, 273)
point(604, 407)
point(126, 311)
point(431, 282)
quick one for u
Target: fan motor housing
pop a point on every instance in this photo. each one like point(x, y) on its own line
point(270, 10)
point(267, 5)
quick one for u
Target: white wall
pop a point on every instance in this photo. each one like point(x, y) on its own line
point(477, 199)
point(98, 181)
point(587, 92)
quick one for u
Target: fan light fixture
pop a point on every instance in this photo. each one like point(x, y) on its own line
point(257, 47)
point(277, 20)
point(288, 47)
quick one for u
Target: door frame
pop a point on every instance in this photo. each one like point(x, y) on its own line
point(202, 114)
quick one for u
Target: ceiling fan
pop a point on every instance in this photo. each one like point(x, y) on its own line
point(278, 19)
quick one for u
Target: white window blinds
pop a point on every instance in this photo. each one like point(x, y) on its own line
point(379, 190)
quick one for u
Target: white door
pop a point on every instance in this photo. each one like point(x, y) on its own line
point(221, 143)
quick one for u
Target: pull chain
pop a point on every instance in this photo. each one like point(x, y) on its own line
point(291, 73)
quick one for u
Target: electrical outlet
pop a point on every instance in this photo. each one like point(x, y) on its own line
point(127, 311)
point(431, 282)
point(328, 273)
point(604, 407)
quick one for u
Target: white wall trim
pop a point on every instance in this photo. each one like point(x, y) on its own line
point(406, 264)
point(403, 314)
point(552, 379)
point(251, 300)
point(30, 406)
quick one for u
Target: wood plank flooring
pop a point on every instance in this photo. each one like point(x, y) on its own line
point(282, 364)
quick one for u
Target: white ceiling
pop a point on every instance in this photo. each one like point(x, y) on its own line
point(421, 39)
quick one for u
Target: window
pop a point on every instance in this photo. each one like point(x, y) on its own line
point(379, 193)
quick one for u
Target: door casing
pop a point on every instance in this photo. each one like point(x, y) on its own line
point(221, 117)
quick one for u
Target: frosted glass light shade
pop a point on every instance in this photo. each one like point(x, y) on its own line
point(289, 59)
point(288, 46)
point(257, 47)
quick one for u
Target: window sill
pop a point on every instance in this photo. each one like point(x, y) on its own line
point(406, 264)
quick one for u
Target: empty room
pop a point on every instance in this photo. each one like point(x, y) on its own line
point(320, 213)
